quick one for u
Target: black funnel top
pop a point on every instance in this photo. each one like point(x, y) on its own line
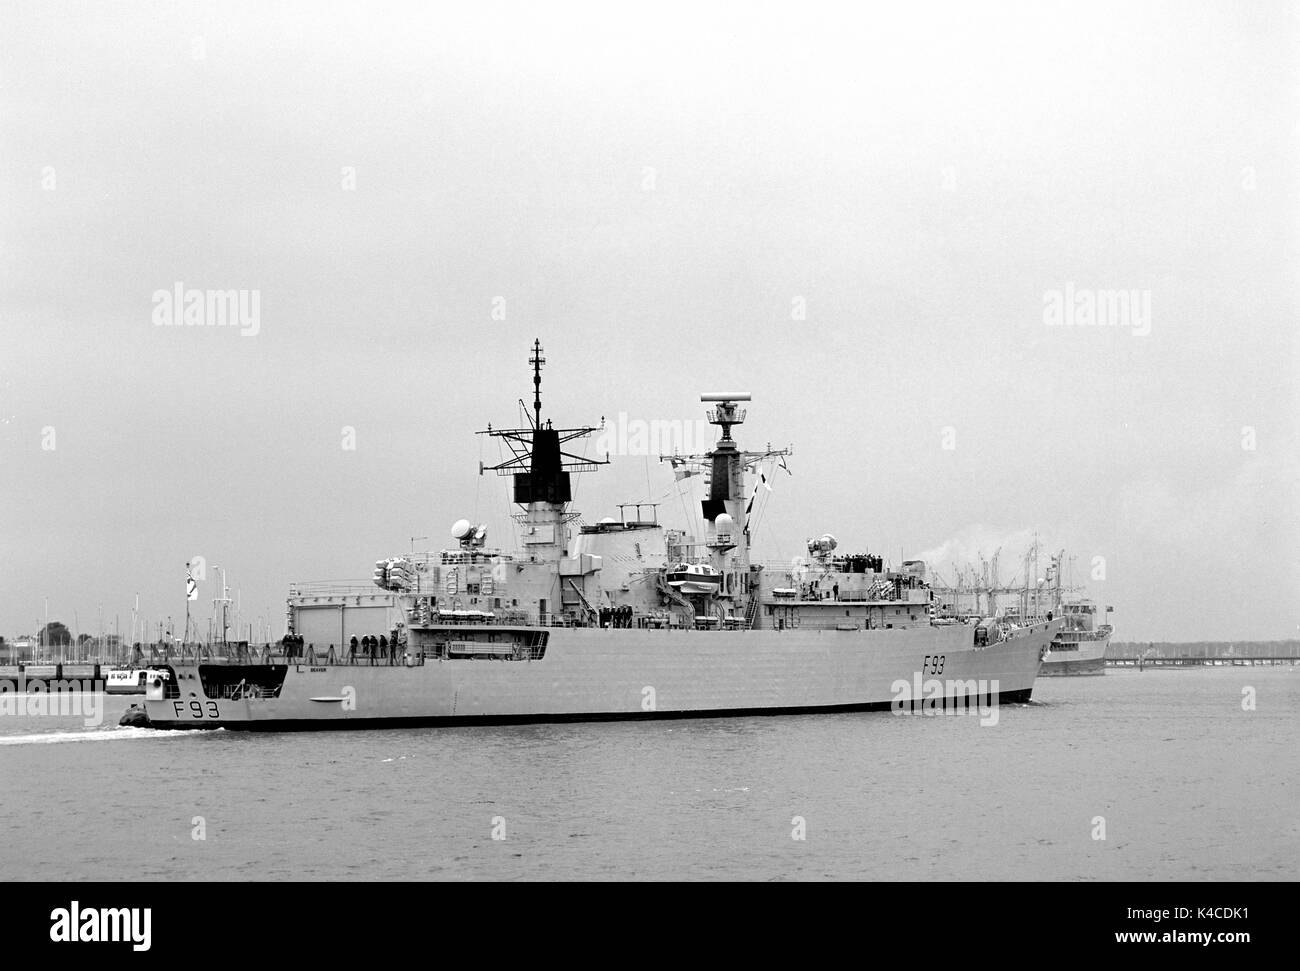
point(546, 481)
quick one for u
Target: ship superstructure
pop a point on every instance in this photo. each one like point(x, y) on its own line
point(619, 618)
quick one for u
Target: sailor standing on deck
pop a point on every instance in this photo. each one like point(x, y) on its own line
point(352, 650)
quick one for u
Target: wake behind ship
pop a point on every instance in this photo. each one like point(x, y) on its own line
point(622, 618)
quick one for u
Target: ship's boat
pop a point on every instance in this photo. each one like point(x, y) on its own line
point(694, 578)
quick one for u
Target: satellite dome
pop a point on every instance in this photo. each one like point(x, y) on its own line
point(608, 521)
point(461, 529)
point(724, 521)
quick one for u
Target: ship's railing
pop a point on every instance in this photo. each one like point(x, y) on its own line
point(478, 556)
point(242, 692)
point(524, 618)
point(320, 657)
point(360, 660)
point(315, 655)
point(335, 588)
point(1081, 635)
point(501, 618)
point(826, 596)
point(812, 568)
point(689, 553)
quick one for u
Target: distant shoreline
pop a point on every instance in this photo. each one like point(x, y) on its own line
point(1213, 649)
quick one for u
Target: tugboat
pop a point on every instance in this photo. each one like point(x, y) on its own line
point(618, 619)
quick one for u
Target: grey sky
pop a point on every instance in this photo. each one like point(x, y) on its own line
point(652, 193)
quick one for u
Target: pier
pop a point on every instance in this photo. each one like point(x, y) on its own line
point(1156, 654)
point(95, 671)
point(57, 671)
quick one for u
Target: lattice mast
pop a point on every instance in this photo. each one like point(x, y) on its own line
point(541, 467)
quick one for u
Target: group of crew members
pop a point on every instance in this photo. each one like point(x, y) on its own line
point(373, 648)
point(620, 616)
point(369, 647)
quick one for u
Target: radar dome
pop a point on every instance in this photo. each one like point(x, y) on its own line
point(608, 521)
point(724, 522)
point(823, 544)
point(461, 529)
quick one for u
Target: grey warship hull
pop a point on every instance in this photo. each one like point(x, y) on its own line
point(587, 674)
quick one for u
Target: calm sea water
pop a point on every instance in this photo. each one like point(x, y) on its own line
point(1190, 787)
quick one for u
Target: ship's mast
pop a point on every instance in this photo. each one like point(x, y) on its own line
point(1057, 562)
point(1038, 583)
point(537, 361)
point(726, 509)
point(222, 602)
point(993, 583)
point(541, 470)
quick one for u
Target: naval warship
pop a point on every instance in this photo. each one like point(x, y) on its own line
point(1079, 647)
point(622, 618)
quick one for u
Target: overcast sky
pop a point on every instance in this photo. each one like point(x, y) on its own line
point(864, 217)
